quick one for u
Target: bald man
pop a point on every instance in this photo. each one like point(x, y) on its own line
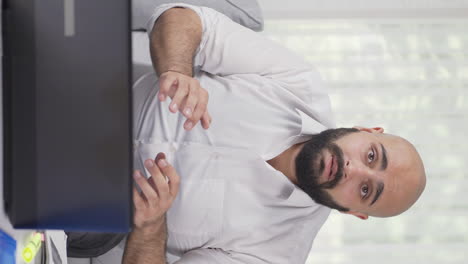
point(256, 185)
point(358, 171)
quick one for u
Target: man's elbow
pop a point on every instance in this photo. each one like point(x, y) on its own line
point(178, 18)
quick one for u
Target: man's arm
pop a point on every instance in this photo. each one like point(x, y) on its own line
point(174, 39)
point(228, 48)
point(146, 244)
point(224, 47)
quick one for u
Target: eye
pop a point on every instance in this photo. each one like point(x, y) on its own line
point(371, 156)
point(364, 190)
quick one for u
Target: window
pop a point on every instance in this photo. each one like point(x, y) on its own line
point(409, 76)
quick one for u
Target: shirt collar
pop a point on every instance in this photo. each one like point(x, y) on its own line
point(293, 196)
point(310, 126)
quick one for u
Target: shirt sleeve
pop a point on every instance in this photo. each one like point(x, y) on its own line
point(228, 48)
point(216, 256)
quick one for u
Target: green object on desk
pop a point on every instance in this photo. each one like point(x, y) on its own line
point(32, 247)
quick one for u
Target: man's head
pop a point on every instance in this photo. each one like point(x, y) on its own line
point(361, 171)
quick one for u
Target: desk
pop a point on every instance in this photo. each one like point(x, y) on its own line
point(21, 236)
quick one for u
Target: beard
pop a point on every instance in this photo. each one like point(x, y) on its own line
point(310, 164)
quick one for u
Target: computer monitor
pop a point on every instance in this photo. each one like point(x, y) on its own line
point(67, 114)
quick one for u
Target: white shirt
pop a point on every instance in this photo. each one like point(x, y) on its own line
point(232, 206)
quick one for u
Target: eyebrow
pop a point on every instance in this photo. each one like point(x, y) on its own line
point(380, 188)
point(383, 161)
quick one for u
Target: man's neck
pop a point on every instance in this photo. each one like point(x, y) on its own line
point(285, 162)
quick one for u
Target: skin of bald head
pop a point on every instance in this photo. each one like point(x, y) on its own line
point(400, 183)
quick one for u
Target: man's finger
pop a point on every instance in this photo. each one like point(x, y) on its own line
point(152, 183)
point(166, 84)
point(197, 114)
point(148, 191)
point(162, 187)
point(189, 105)
point(138, 201)
point(206, 120)
point(180, 94)
point(170, 172)
point(191, 100)
point(160, 155)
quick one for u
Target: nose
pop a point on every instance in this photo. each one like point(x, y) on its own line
point(355, 169)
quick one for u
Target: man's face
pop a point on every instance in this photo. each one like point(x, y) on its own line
point(360, 171)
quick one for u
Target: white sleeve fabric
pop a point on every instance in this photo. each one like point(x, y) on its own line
point(216, 256)
point(228, 48)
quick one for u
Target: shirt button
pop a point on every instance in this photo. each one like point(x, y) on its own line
point(216, 155)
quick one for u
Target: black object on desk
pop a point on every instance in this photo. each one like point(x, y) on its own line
point(67, 114)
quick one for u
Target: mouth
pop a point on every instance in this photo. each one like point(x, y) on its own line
point(330, 169)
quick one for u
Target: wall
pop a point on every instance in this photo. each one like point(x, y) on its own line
point(363, 8)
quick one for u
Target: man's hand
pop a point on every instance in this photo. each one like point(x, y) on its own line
point(157, 194)
point(146, 244)
point(174, 39)
point(187, 96)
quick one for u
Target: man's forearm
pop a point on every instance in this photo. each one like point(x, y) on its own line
point(174, 40)
point(146, 246)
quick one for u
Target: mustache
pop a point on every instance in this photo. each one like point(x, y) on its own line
point(338, 154)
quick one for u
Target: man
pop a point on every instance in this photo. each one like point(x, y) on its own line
point(256, 184)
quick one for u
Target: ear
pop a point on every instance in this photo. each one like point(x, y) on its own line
point(370, 130)
point(357, 214)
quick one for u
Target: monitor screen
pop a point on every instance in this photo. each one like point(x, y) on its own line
point(67, 114)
